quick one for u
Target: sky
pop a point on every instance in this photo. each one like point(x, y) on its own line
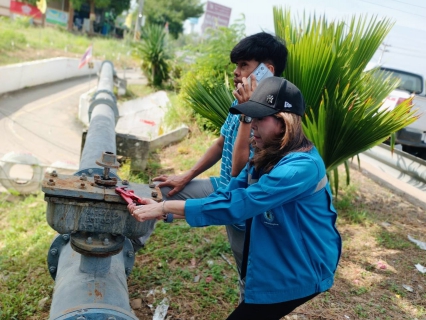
point(405, 46)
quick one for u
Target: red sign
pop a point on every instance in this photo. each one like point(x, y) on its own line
point(25, 9)
point(216, 15)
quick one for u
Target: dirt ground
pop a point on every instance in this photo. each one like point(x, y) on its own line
point(376, 278)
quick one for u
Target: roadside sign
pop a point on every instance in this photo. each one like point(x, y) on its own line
point(25, 9)
point(216, 15)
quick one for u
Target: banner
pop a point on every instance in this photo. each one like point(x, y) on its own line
point(57, 17)
point(86, 57)
point(25, 9)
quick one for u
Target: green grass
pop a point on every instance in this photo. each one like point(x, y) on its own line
point(25, 238)
point(20, 42)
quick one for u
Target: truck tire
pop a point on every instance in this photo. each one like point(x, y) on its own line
point(27, 187)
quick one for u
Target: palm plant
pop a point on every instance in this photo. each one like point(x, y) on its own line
point(211, 103)
point(326, 61)
point(152, 51)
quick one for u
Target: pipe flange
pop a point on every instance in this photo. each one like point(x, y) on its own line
point(91, 172)
point(97, 244)
point(54, 252)
point(97, 310)
point(128, 256)
point(111, 94)
point(107, 102)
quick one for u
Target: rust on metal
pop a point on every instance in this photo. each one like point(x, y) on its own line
point(108, 160)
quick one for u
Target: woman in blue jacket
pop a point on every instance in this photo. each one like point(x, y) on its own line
point(292, 246)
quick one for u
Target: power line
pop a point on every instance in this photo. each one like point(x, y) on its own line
point(406, 54)
point(394, 8)
point(411, 50)
point(410, 4)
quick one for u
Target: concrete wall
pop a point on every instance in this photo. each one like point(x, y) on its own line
point(4, 8)
point(21, 75)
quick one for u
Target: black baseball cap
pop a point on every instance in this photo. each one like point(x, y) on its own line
point(272, 95)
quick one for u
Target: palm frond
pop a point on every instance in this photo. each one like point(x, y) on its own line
point(211, 103)
point(327, 61)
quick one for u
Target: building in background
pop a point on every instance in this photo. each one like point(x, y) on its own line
point(216, 15)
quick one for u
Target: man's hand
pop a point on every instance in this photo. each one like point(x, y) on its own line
point(176, 183)
point(245, 89)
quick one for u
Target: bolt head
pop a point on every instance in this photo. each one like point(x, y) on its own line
point(108, 157)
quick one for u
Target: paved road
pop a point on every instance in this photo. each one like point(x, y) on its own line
point(43, 121)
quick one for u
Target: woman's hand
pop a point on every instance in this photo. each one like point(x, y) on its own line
point(149, 210)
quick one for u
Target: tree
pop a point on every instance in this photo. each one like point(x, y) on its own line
point(118, 5)
point(172, 12)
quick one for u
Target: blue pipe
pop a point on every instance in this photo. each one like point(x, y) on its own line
point(88, 286)
point(91, 287)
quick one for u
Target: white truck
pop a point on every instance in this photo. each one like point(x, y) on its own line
point(413, 137)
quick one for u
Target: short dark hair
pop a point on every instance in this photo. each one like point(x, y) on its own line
point(262, 47)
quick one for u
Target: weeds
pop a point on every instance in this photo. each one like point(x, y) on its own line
point(391, 240)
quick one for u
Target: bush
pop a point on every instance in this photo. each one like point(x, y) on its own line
point(152, 51)
point(211, 69)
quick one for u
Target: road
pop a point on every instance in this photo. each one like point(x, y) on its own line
point(43, 121)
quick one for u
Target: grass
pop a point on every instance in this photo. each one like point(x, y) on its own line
point(25, 240)
point(20, 42)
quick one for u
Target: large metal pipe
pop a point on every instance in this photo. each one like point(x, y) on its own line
point(91, 264)
point(92, 287)
point(102, 113)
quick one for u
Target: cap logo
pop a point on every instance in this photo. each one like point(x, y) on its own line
point(270, 99)
point(287, 105)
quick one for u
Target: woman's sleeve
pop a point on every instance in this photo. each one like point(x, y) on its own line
point(291, 178)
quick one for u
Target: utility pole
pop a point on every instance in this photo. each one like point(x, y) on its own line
point(138, 21)
point(383, 49)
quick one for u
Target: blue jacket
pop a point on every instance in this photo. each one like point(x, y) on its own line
point(294, 245)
